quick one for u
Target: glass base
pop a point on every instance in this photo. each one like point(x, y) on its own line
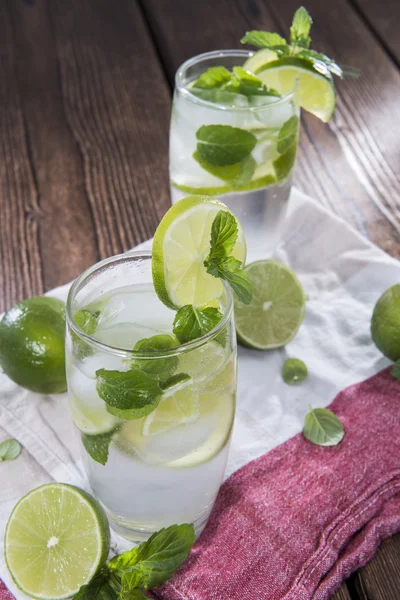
point(137, 535)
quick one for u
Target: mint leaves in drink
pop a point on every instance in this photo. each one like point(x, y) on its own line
point(240, 81)
point(191, 323)
point(134, 391)
point(224, 233)
point(299, 45)
point(161, 368)
point(97, 446)
point(322, 427)
point(9, 450)
point(224, 145)
point(288, 134)
point(144, 567)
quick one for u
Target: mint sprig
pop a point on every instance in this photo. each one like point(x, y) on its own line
point(239, 81)
point(224, 232)
point(299, 44)
point(191, 323)
point(144, 567)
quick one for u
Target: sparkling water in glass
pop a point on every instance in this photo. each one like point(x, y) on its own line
point(256, 190)
point(165, 467)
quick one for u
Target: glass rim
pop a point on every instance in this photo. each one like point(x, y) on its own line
point(148, 354)
point(223, 53)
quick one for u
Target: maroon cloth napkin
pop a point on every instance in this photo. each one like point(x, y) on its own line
point(4, 593)
point(294, 523)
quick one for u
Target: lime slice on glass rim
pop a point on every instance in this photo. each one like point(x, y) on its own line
point(57, 538)
point(259, 59)
point(316, 91)
point(180, 246)
point(277, 308)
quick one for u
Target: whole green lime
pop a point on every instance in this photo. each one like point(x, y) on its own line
point(32, 338)
point(385, 323)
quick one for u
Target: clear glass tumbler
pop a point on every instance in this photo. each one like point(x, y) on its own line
point(154, 417)
point(257, 187)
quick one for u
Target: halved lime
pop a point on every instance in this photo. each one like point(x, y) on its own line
point(316, 91)
point(277, 309)
point(259, 60)
point(178, 406)
point(91, 420)
point(57, 537)
point(180, 246)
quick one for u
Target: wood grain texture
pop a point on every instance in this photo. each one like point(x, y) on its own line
point(351, 164)
point(383, 18)
point(380, 579)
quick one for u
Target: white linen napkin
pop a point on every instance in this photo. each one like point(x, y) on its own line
point(343, 275)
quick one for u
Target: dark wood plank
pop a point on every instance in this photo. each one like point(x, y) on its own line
point(350, 165)
point(383, 18)
point(379, 579)
point(84, 116)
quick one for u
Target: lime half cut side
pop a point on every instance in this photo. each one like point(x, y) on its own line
point(276, 311)
point(57, 538)
point(180, 246)
point(316, 91)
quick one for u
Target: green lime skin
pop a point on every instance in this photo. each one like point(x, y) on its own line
point(32, 340)
point(385, 323)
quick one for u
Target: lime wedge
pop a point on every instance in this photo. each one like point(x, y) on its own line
point(178, 406)
point(92, 421)
point(181, 244)
point(316, 92)
point(259, 60)
point(276, 310)
point(57, 537)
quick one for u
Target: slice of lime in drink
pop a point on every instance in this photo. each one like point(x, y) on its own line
point(202, 362)
point(181, 245)
point(277, 309)
point(90, 420)
point(57, 538)
point(259, 60)
point(316, 91)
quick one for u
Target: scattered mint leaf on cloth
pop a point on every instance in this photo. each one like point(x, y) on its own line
point(191, 323)
point(97, 446)
point(157, 367)
point(265, 39)
point(300, 29)
point(131, 390)
point(294, 371)
point(395, 370)
point(153, 562)
point(224, 145)
point(322, 427)
point(224, 232)
point(288, 134)
point(9, 450)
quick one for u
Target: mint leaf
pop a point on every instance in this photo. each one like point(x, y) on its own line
point(99, 588)
point(287, 134)
point(248, 84)
point(97, 446)
point(214, 77)
point(191, 323)
point(395, 370)
point(224, 232)
point(230, 269)
point(87, 321)
point(10, 450)
point(157, 367)
point(294, 371)
point(237, 174)
point(321, 62)
point(128, 594)
point(300, 29)
point(223, 144)
point(153, 562)
point(220, 96)
point(264, 39)
point(131, 390)
point(322, 427)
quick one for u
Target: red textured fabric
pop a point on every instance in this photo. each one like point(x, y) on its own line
point(293, 524)
point(4, 593)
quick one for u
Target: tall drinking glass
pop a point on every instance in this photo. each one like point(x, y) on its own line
point(253, 178)
point(154, 417)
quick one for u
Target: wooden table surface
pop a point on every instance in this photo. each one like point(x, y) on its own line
point(85, 99)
